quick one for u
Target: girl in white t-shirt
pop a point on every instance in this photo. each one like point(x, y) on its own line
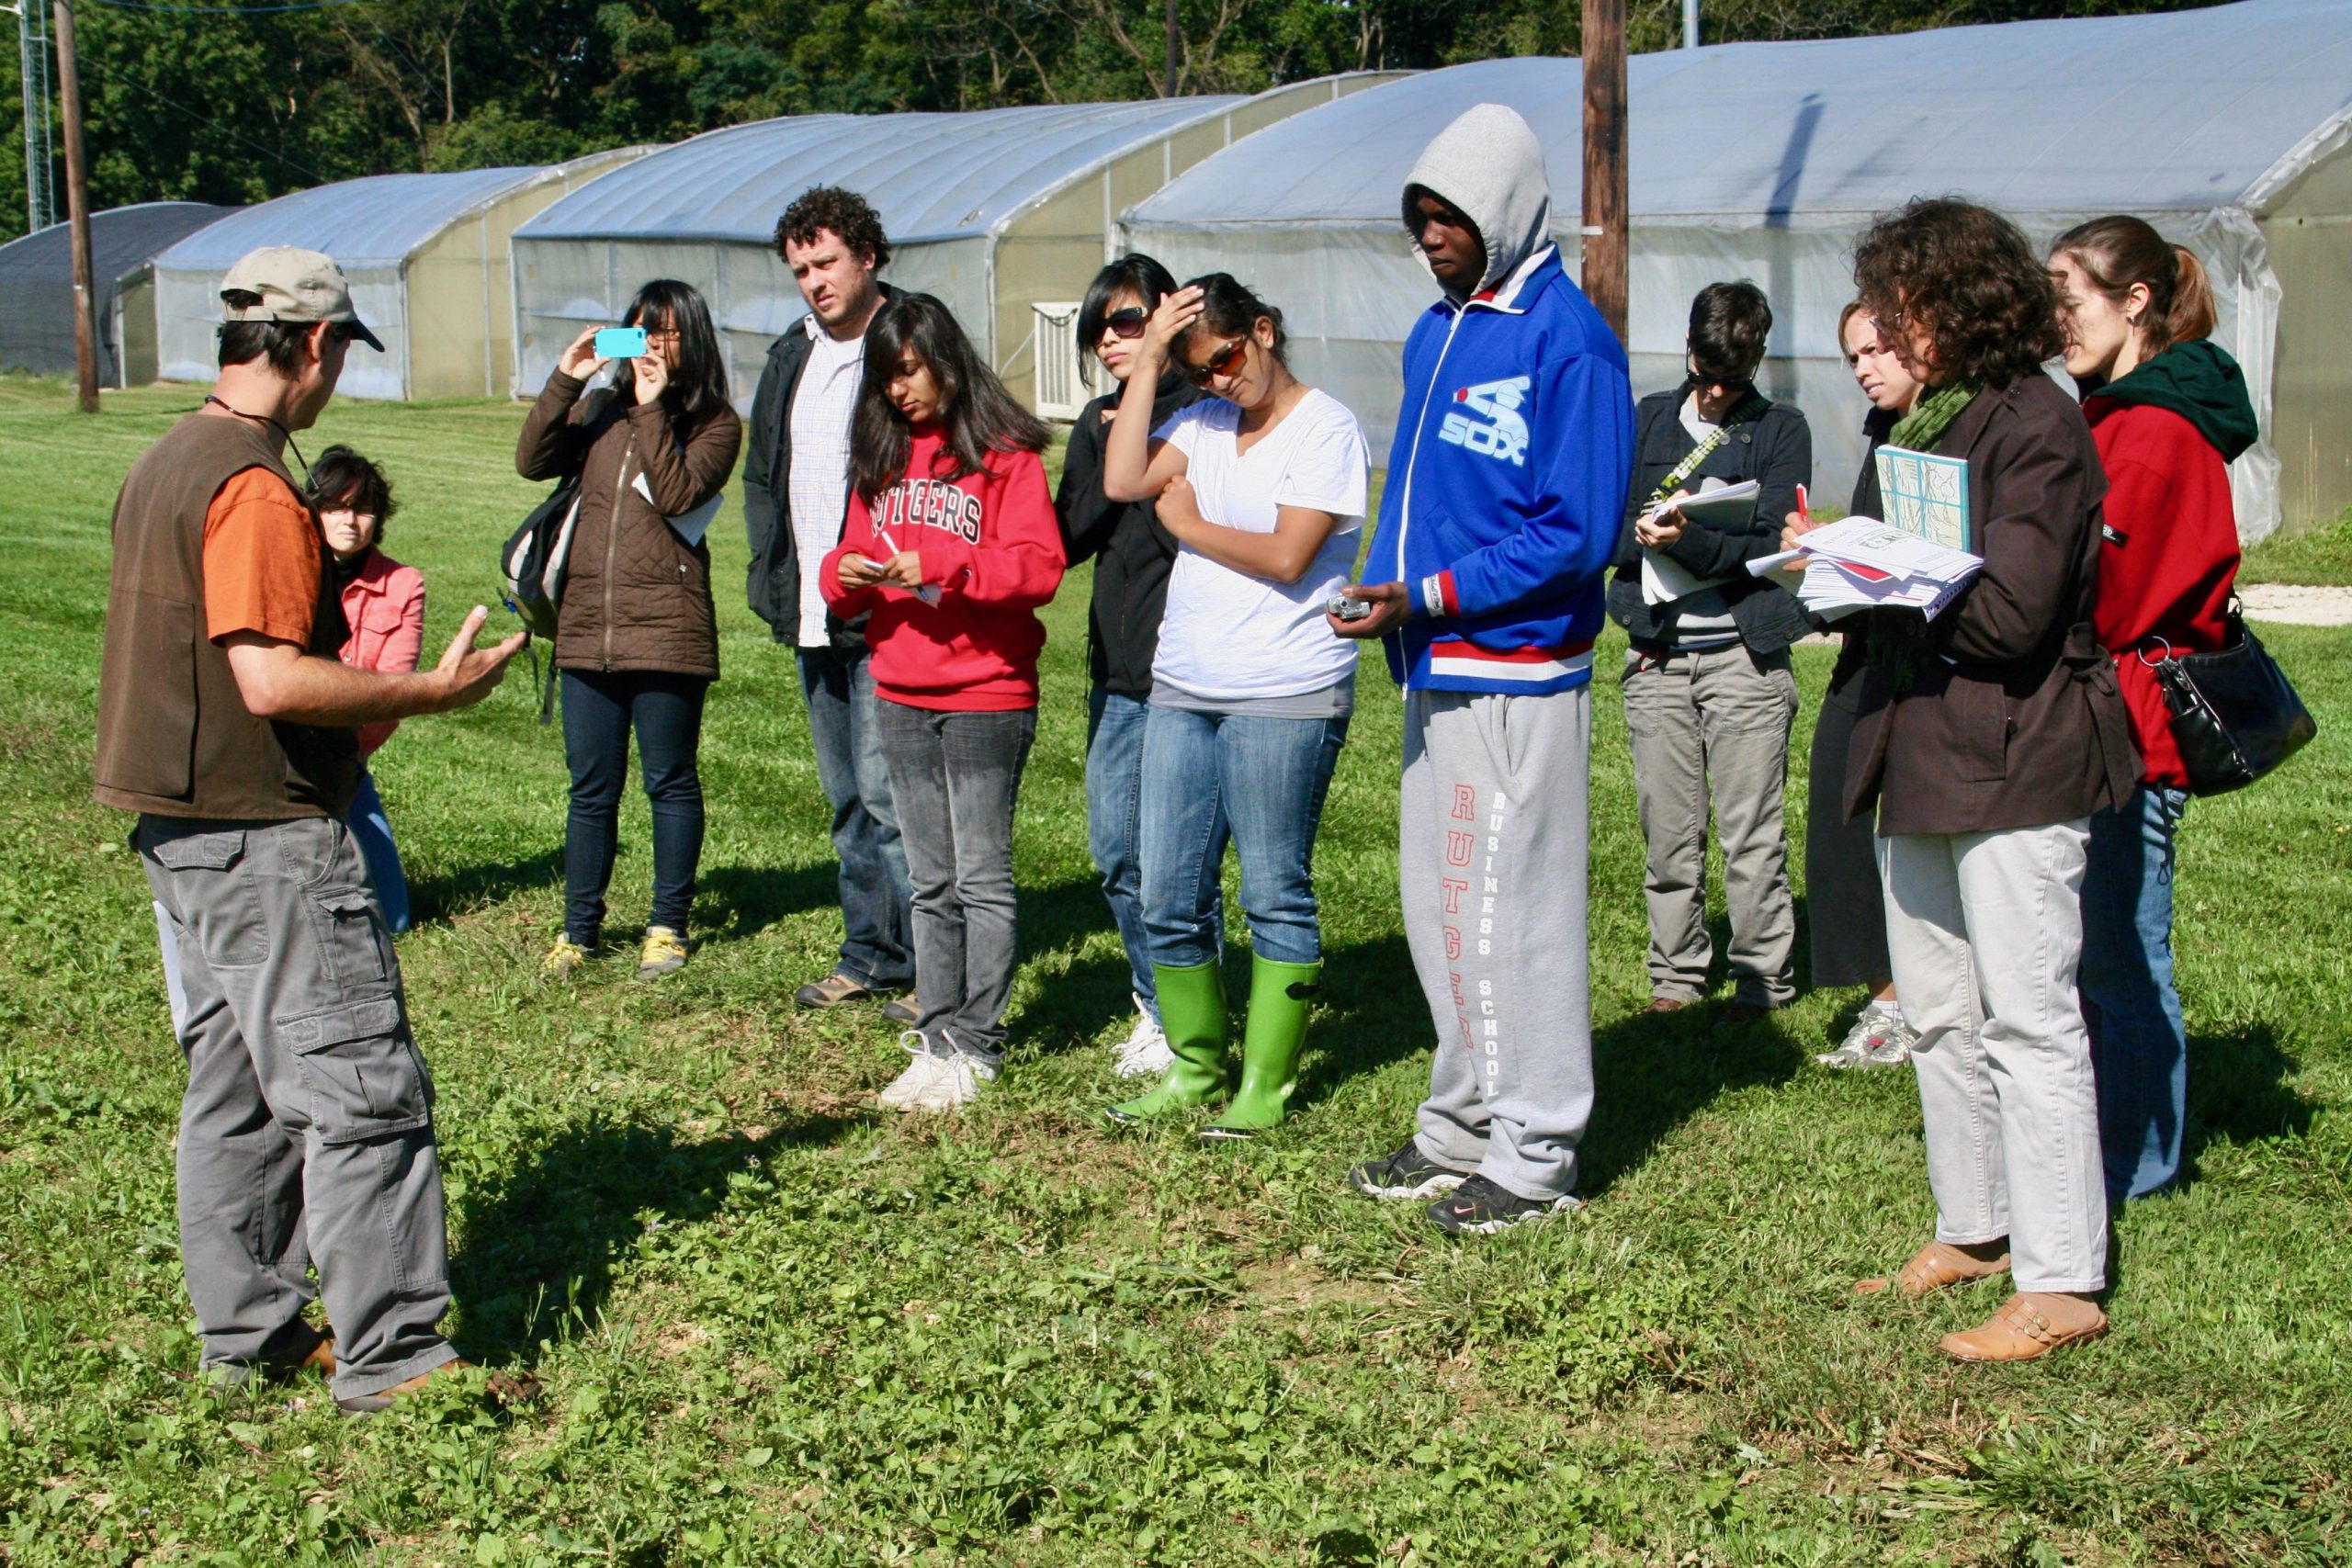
point(1262, 484)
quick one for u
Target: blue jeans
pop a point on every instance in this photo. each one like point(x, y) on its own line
point(373, 829)
point(844, 723)
point(600, 709)
point(1258, 783)
point(1115, 821)
point(2138, 1047)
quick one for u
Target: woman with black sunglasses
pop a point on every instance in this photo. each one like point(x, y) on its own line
point(1262, 484)
point(1132, 555)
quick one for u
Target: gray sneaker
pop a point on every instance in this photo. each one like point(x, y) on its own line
point(1877, 1040)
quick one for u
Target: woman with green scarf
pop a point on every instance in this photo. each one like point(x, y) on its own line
point(1986, 739)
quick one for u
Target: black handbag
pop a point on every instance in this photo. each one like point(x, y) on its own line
point(531, 569)
point(2234, 714)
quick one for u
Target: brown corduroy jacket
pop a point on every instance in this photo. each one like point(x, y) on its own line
point(2012, 717)
point(636, 596)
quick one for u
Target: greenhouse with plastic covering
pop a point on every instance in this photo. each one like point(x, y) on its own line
point(2226, 128)
point(1005, 214)
point(427, 259)
point(37, 279)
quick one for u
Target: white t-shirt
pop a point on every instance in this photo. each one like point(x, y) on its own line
point(817, 490)
point(1227, 636)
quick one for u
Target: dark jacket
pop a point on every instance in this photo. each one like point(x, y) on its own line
point(1131, 553)
point(2011, 719)
point(1854, 642)
point(772, 582)
point(1776, 450)
point(635, 595)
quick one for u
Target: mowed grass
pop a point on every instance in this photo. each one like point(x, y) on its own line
point(778, 1326)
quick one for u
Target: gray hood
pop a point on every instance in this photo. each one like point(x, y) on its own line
point(1489, 166)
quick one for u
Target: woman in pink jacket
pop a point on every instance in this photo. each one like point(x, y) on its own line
point(383, 603)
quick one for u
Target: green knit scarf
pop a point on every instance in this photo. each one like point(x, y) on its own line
point(1898, 640)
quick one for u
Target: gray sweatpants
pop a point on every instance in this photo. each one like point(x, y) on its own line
point(305, 1130)
point(1715, 722)
point(1491, 867)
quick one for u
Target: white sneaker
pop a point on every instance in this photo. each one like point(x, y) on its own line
point(1880, 1038)
point(901, 1092)
point(1144, 1053)
point(955, 1083)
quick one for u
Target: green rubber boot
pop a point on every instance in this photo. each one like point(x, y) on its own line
point(1279, 995)
point(1192, 1011)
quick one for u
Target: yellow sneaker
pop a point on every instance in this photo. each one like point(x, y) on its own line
point(665, 950)
point(563, 961)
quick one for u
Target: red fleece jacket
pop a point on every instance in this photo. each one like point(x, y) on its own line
point(990, 544)
point(2168, 562)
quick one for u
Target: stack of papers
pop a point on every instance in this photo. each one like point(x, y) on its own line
point(1719, 506)
point(1863, 563)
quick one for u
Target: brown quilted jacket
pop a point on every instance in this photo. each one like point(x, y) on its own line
point(635, 595)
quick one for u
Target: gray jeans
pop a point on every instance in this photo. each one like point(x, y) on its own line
point(1986, 934)
point(955, 777)
point(306, 1130)
point(1714, 723)
point(1491, 865)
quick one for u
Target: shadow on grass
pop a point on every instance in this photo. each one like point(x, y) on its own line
point(543, 1246)
point(439, 898)
point(1652, 1072)
point(732, 902)
point(2238, 1093)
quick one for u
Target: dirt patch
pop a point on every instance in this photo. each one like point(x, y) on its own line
point(2295, 606)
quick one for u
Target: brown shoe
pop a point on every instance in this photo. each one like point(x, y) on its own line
point(2029, 1326)
point(1932, 1268)
point(1666, 1004)
point(835, 989)
point(318, 1358)
point(504, 1389)
point(1741, 1015)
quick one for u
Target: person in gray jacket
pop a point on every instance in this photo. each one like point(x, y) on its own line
point(796, 494)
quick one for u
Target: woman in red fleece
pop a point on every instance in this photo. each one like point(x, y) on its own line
point(2168, 410)
point(951, 546)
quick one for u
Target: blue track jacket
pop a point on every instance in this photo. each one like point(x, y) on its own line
point(1506, 487)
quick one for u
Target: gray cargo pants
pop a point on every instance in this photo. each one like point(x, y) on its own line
point(1715, 723)
point(1491, 865)
point(306, 1130)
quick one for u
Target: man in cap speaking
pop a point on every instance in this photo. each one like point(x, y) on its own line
point(226, 723)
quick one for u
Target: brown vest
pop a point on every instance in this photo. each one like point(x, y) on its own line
point(174, 737)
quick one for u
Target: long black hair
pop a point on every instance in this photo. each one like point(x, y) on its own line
point(1135, 274)
point(698, 378)
point(342, 477)
point(979, 415)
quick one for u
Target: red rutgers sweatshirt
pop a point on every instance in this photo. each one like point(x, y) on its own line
point(989, 546)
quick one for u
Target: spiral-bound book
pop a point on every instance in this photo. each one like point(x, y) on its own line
point(1925, 496)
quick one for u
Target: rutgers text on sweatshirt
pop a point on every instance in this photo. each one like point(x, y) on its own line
point(1514, 444)
point(990, 545)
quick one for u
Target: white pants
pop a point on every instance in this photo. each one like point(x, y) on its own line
point(1986, 930)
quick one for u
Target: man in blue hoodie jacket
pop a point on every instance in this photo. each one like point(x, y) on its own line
point(1501, 512)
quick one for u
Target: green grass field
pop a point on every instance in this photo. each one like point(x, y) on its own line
point(779, 1326)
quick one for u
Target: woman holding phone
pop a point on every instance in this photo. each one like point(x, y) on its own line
point(653, 441)
point(1262, 485)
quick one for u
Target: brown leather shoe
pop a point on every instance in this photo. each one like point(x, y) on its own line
point(1666, 1004)
point(2029, 1326)
point(835, 989)
point(1932, 1268)
point(503, 1388)
point(318, 1358)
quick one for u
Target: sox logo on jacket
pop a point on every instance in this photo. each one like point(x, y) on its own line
point(1504, 435)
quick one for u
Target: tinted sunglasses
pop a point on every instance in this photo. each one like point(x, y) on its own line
point(1224, 362)
point(1126, 323)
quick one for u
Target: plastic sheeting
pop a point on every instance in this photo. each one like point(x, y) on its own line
point(37, 279)
point(705, 211)
point(1765, 160)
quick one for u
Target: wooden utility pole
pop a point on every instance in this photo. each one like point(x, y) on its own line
point(1604, 160)
point(77, 207)
point(1169, 90)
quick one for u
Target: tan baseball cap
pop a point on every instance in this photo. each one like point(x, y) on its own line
point(295, 285)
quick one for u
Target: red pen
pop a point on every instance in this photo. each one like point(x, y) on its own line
point(1804, 513)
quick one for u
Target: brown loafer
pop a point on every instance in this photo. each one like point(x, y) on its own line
point(2029, 1326)
point(1932, 1268)
point(504, 1389)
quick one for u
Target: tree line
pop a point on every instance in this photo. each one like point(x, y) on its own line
point(235, 101)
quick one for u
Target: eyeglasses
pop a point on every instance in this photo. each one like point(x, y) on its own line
point(1126, 323)
point(1224, 362)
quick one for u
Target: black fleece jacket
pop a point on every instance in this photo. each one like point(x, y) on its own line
point(1776, 450)
point(1131, 553)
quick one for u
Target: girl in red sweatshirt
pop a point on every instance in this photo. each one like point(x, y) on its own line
point(2168, 410)
point(950, 547)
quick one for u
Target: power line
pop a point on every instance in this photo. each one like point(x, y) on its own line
point(215, 122)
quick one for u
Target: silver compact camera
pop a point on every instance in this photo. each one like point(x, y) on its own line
point(1341, 607)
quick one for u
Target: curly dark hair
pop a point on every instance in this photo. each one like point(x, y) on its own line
point(1966, 277)
point(342, 478)
point(845, 212)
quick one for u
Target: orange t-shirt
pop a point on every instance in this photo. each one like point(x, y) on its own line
point(261, 560)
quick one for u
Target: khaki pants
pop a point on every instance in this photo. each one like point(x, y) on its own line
point(1986, 931)
point(1714, 723)
point(305, 1130)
